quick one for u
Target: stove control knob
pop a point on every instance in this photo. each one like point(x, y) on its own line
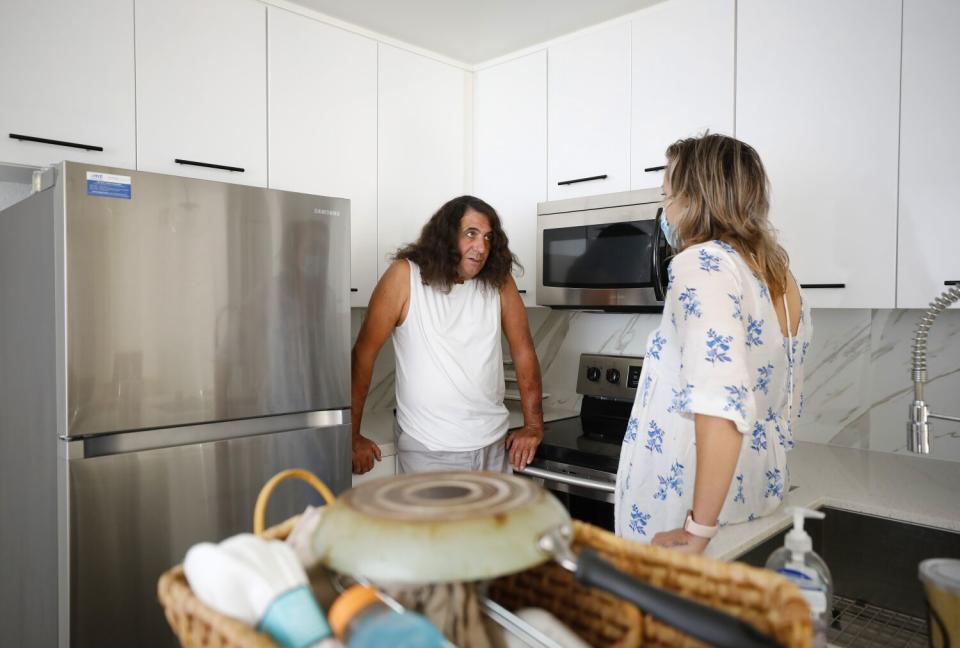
point(593, 374)
point(613, 376)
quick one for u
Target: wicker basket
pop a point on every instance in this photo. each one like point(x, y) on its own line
point(768, 601)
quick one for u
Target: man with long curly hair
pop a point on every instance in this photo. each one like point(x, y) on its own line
point(445, 300)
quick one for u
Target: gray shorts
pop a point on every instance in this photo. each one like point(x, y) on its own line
point(414, 457)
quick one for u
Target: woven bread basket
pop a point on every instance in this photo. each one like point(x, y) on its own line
point(768, 601)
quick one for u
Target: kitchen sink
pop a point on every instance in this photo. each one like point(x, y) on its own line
point(878, 599)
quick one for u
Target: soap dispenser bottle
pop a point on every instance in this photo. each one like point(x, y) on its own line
point(797, 561)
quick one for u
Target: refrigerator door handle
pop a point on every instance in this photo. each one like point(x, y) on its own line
point(140, 440)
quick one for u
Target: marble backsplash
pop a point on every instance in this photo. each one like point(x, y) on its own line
point(857, 388)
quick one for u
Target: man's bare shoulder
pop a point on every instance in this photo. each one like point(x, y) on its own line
point(390, 297)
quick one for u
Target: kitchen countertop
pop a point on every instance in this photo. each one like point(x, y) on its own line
point(894, 486)
point(378, 426)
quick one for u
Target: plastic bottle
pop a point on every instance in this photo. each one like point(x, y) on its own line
point(797, 561)
point(361, 620)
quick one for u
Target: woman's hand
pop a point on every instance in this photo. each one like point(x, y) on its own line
point(681, 541)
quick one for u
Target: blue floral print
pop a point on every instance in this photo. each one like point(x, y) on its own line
point(671, 481)
point(754, 331)
point(759, 437)
point(631, 434)
point(764, 375)
point(782, 439)
point(691, 303)
point(655, 438)
point(681, 399)
point(774, 484)
point(764, 291)
point(673, 320)
point(709, 262)
point(670, 276)
point(739, 496)
point(718, 347)
point(737, 306)
point(645, 392)
point(638, 520)
point(736, 397)
point(726, 247)
point(656, 346)
point(791, 349)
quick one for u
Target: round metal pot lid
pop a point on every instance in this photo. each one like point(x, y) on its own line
point(438, 527)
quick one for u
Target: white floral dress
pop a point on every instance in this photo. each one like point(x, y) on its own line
point(718, 351)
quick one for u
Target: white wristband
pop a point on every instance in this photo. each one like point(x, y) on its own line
point(699, 530)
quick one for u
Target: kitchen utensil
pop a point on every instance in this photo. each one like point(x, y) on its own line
point(941, 583)
point(453, 526)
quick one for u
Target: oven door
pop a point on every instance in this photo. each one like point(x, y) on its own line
point(612, 258)
point(586, 493)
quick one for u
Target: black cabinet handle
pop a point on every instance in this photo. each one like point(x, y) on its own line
point(843, 285)
point(43, 140)
point(652, 169)
point(354, 290)
point(952, 282)
point(576, 180)
point(522, 292)
point(208, 165)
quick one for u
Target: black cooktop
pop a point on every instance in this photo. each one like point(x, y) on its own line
point(583, 442)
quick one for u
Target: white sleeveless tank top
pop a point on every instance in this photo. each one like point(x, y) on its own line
point(450, 366)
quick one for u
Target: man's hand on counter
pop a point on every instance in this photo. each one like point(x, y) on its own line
point(365, 452)
point(522, 445)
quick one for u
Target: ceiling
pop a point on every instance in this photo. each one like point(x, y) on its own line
point(474, 31)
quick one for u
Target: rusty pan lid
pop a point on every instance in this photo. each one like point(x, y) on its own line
point(438, 527)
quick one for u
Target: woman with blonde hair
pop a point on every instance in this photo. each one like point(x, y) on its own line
point(707, 441)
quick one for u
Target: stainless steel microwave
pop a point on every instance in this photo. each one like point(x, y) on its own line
point(602, 252)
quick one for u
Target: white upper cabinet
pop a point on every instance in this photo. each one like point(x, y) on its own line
point(589, 117)
point(817, 96)
point(323, 126)
point(929, 151)
point(66, 74)
point(510, 131)
point(422, 144)
point(683, 79)
point(202, 89)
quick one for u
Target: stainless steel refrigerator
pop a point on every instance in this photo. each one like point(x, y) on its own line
point(166, 345)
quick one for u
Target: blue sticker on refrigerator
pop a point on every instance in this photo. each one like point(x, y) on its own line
point(107, 185)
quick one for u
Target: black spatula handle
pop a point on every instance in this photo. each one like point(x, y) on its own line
point(695, 619)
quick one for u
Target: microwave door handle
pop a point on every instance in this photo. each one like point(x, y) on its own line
point(657, 279)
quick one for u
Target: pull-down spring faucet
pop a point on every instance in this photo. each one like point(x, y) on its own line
point(918, 429)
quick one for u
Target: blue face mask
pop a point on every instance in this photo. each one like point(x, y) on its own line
point(668, 234)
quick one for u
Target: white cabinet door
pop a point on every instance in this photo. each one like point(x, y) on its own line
point(929, 145)
point(683, 79)
point(66, 74)
point(818, 97)
point(422, 144)
point(202, 89)
point(323, 126)
point(589, 115)
point(510, 133)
